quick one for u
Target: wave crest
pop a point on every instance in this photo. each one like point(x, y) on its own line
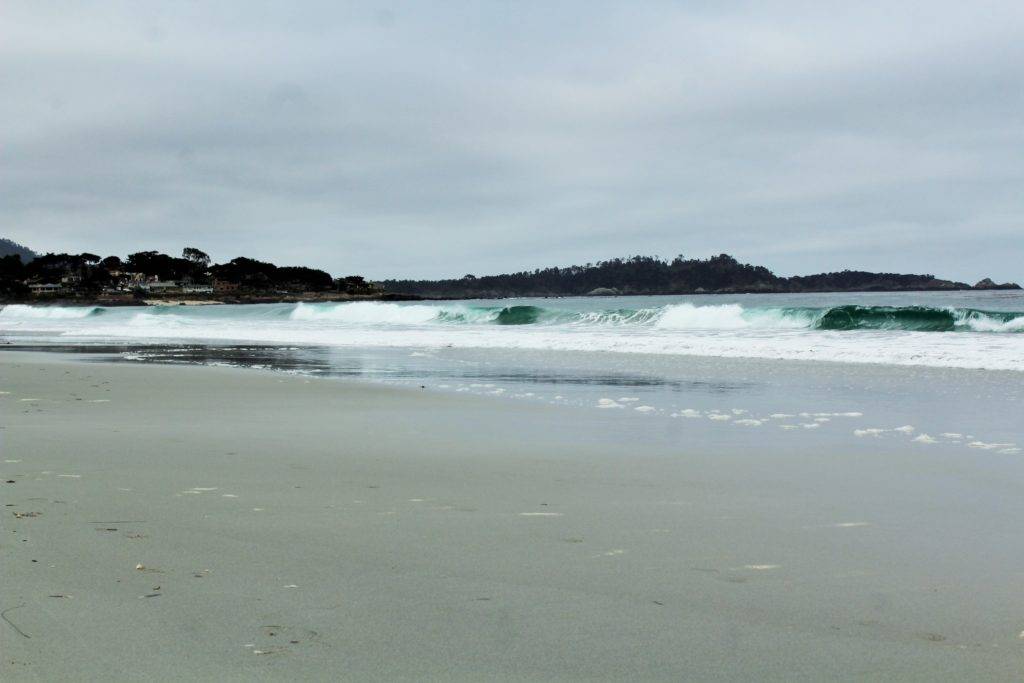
point(26, 312)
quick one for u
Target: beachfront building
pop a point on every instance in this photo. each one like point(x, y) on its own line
point(159, 287)
point(46, 289)
point(197, 289)
point(220, 286)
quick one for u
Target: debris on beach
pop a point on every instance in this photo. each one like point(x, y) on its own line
point(22, 515)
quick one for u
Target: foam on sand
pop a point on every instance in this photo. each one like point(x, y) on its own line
point(981, 445)
point(608, 403)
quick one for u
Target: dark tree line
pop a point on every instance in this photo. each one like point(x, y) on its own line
point(652, 275)
point(634, 275)
point(255, 274)
point(91, 273)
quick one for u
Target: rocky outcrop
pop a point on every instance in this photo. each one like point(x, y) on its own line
point(987, 283)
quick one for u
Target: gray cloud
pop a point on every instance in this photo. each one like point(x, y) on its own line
point(411, 140)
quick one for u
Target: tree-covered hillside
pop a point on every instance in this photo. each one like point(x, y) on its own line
point(9, 247)
point(652, 275)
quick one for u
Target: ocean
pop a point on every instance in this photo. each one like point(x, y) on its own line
point(982, 330)
point(931, 369)
point(941, 363)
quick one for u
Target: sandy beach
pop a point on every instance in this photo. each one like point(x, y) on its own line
point(197, 523)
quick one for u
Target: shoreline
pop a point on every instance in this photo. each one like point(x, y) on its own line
point(396, 296)
point(205, 301)
point(182, 522)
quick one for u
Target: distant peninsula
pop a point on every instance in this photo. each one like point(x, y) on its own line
point(648, 275)
point(151, 277)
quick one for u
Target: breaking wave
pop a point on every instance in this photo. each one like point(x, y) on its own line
point(24, 312)
point(918, 319)
point(679, 316)
point(683, 316)
point(898, 335)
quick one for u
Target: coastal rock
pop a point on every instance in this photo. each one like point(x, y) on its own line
point(987, 283)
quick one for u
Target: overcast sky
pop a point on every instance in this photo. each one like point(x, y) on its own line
point(435, 139)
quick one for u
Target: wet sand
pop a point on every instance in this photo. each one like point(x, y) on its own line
point(183, 523)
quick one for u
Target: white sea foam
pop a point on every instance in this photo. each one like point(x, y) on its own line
point(726, 330)
point(924, 438)
point(686, 316)
point(989, 325)
point(23, 312)
point(608, 403)
point(989, 446)
point(367, 313)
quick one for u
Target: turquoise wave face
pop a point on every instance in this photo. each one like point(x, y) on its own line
point(836, 318)
point(918, 319)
